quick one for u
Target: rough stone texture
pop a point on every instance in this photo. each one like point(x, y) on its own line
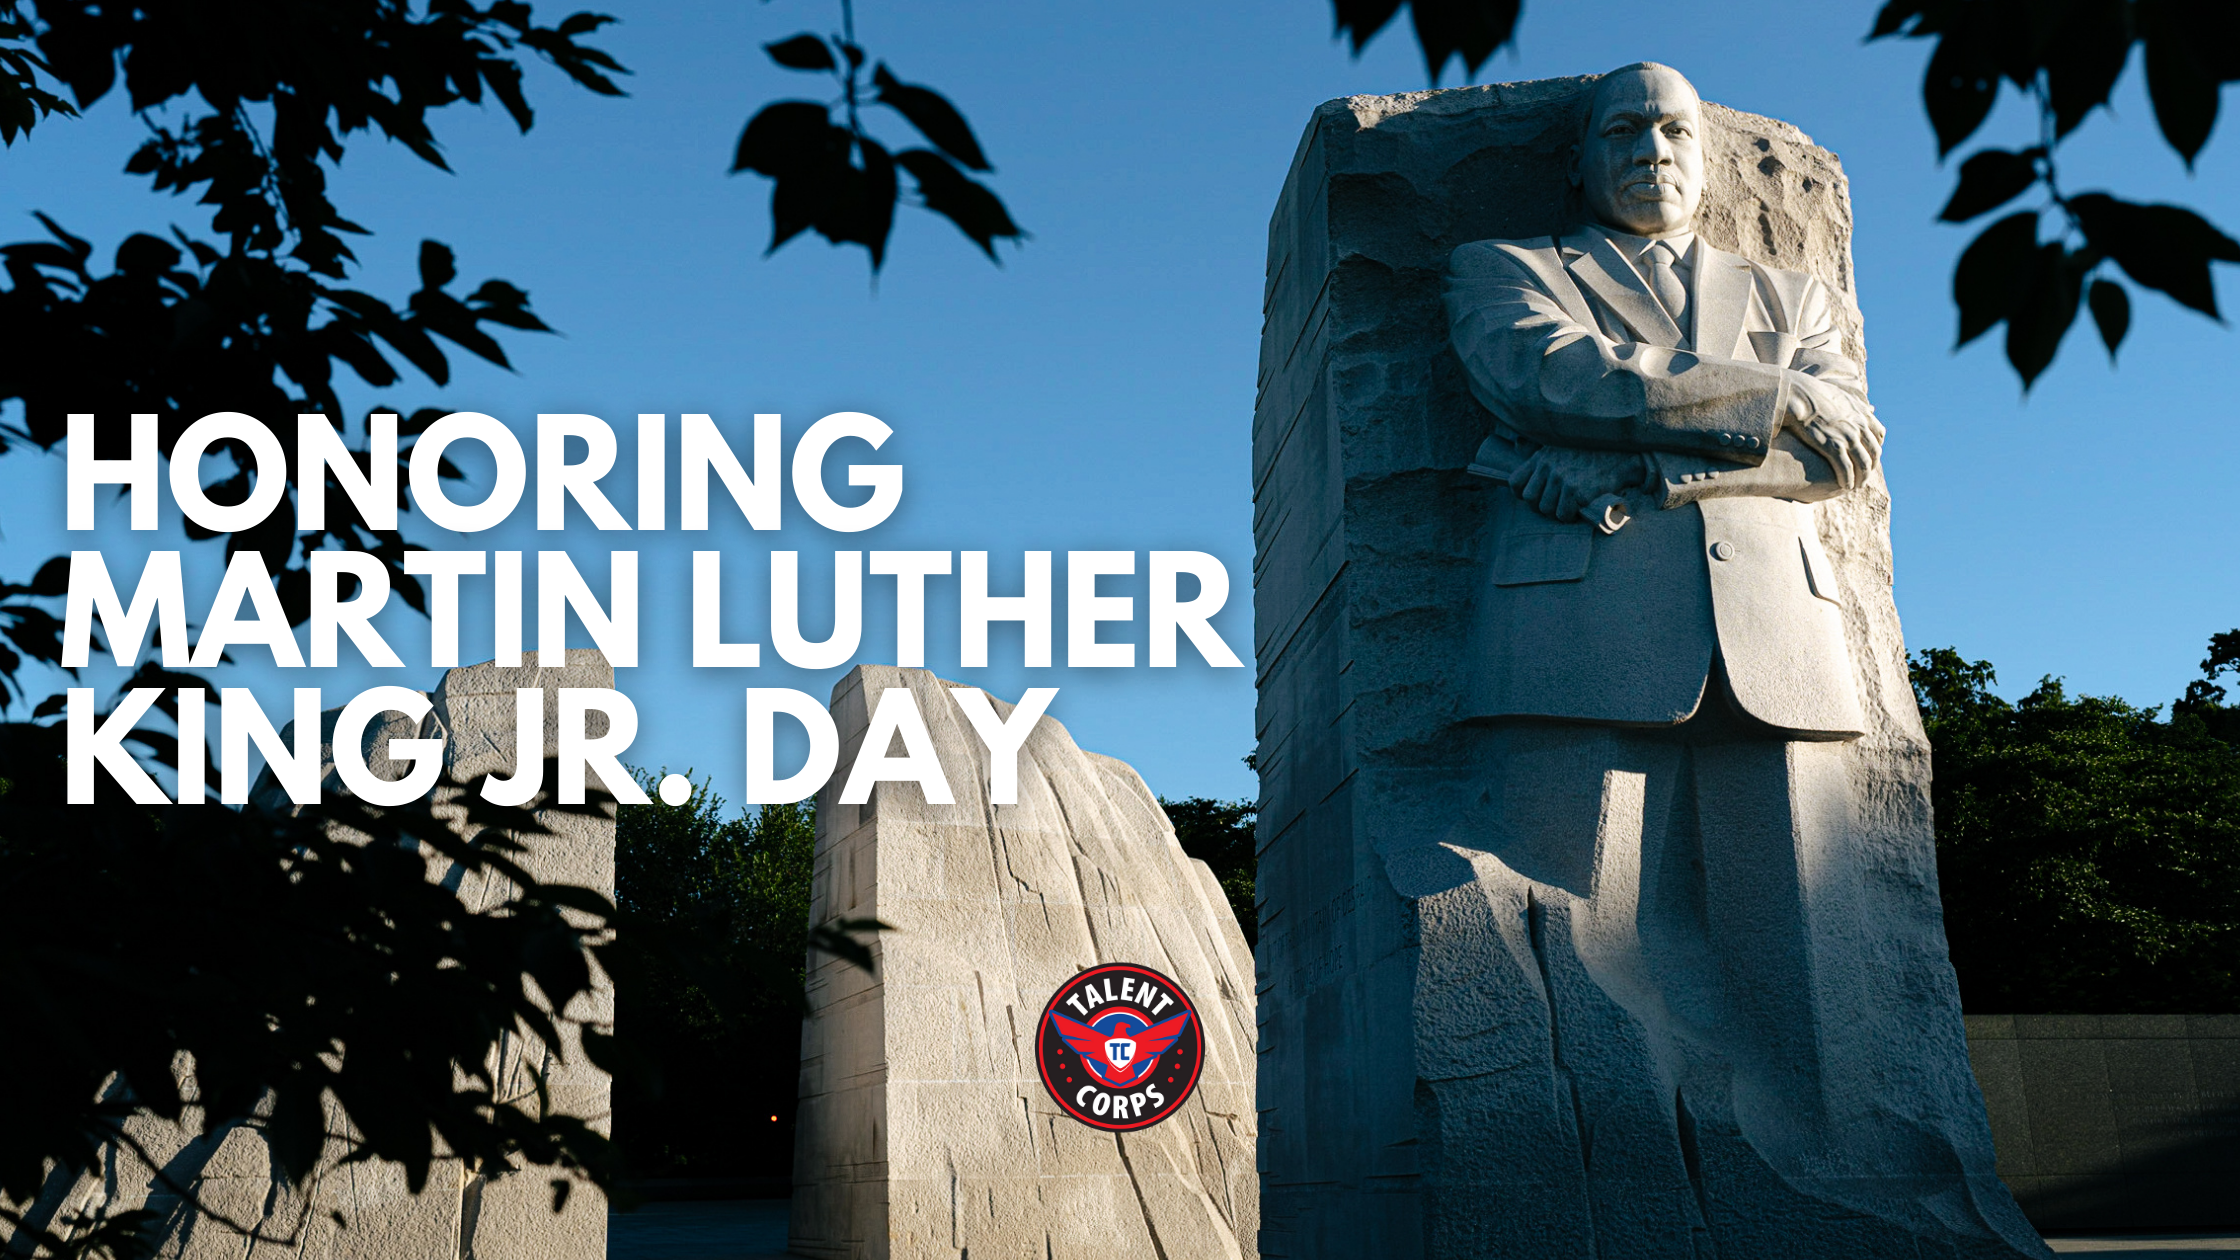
point(2115, 1121)
point(459, 1215)
point(924, 1129)
point(1412, 1099)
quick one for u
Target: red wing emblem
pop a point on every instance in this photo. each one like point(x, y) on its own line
point(1124, 1050)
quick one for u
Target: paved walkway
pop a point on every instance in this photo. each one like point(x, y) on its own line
point(755, 1229)
point(2148, 1246)
point(721, 1229)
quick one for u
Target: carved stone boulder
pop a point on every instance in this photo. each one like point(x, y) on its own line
point(924, 1127)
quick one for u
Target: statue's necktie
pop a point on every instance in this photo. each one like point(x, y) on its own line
point(1665, 282)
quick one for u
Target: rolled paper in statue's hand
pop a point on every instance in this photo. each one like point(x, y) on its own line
point(1607, 513)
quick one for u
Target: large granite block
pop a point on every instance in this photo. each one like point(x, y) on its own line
point(924, 1128)
point(1420, 1095)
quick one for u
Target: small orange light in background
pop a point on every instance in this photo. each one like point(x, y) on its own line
point(773, 1119)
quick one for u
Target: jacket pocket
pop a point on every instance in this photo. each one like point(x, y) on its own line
point(1543, 551)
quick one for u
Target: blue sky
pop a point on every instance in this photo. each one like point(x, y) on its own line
point(1095, 392)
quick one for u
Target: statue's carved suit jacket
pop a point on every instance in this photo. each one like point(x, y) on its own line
point(1565, 345)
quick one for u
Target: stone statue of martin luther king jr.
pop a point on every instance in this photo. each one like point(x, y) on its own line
point(1631, 358)
point(1665, 697)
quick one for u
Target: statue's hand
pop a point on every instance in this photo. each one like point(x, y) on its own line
point(1840, 427)
point(1560, 481)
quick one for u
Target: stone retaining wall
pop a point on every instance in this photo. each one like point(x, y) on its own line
point(2114, 1121)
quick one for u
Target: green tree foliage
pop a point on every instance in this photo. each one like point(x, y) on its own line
point(2089, 852)
point(2205, 696)
point(310, 978)
point(1219, 833)
point(716, 929)
point(248, 106)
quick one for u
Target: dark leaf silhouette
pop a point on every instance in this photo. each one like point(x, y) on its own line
point(2162, 247)
point(580, 24)
point(844, 202)
point(1360, 20)
point(2067, 58)
point(2179, 37)
point(437, 266)
point(497, 302)
point(147, 256)
point(257, 943)
point(790, 137)
point(1896, 16)
point(2044, 309)
point(1445, 29)
point(831, 176)
point(1989, 180)
point(1993, 274)
point(802, 52)
point(301, 966)
point(934, 117)
point(860, 206)
point(2084, 59)
point(948, 192)
point(1466, 29)
point(1959, 89)
point(23, 101)
point(2111, 312)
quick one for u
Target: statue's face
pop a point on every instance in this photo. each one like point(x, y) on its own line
point(1640, 163)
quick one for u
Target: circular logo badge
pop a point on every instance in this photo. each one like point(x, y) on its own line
point(1119, 1047)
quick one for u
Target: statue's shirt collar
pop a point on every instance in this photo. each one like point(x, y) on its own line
point(1632, 247)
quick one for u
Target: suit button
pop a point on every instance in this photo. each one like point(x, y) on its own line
point(1722, 550)
point(1750, 442)
point(1726, 439)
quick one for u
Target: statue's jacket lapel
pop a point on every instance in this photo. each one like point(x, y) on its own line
point(1723, 299)
point(1720, 304)
point(1600, 269)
